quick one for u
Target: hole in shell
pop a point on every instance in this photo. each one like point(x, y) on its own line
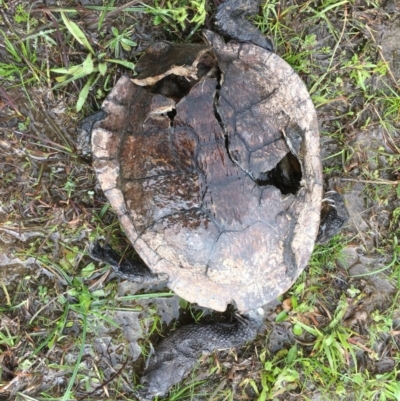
point(171, 115)
point(286, 175)
point(177, 87)
point(172, 86)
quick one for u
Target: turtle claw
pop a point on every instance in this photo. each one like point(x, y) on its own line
point(253, 317)
point(331, 197)
point(330, 201)
point(333, 216)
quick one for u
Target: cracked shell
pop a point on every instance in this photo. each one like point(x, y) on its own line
point(196, 159)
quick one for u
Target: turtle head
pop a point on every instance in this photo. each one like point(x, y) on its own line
point(166, 370)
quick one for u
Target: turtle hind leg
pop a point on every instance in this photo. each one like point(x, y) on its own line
point(133, 270)
point(333, 217)
point(231, 20)
point(178, 353)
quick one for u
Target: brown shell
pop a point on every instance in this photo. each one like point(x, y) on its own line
point(188, 188)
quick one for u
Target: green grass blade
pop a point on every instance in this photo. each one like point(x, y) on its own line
point(125, 63)
point(78, 360)
point(83, 94)
point(77, 33)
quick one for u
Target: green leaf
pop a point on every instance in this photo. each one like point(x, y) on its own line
point(98, 293)
point(294, 302)
point(103, 68)
point(89, 268)
point(64, 70)
point(88, 64)
point(10, 48)
point(128, 42)
point(72, 292)
point(358, 378)
point(64, 81)
point(329, 357)
point(75, 72)
point(125, 63)
point(83, 95)
point(183, 303)
point(329, 340)
point(309, 329)
point(297, 330)
point(281, 316)
point(394, 388)
point(61, 79)
point(77, 33)
point(7, 69)
point(263, 395)
point(126, 47)
point(292, 354)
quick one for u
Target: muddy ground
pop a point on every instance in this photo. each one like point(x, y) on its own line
point(70, 330)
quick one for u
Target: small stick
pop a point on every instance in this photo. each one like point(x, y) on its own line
point(385, 182)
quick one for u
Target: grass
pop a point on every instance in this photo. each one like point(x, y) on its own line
point(63, 321)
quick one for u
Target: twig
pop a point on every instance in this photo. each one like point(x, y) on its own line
point(102, 385)
point(383, 58)
point(384, 182)
point(353, 341)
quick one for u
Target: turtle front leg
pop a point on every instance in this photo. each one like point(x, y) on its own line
point(333, 217)
point(177, 354)
point(84, 133)
point(133, 270)
point(231, 20)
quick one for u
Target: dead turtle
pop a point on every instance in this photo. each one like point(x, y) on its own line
point(210, 158)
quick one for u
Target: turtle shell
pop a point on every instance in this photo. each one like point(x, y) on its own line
point(210, 158)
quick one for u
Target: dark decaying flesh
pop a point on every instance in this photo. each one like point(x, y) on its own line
point(197, 162)
point(178, 353)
